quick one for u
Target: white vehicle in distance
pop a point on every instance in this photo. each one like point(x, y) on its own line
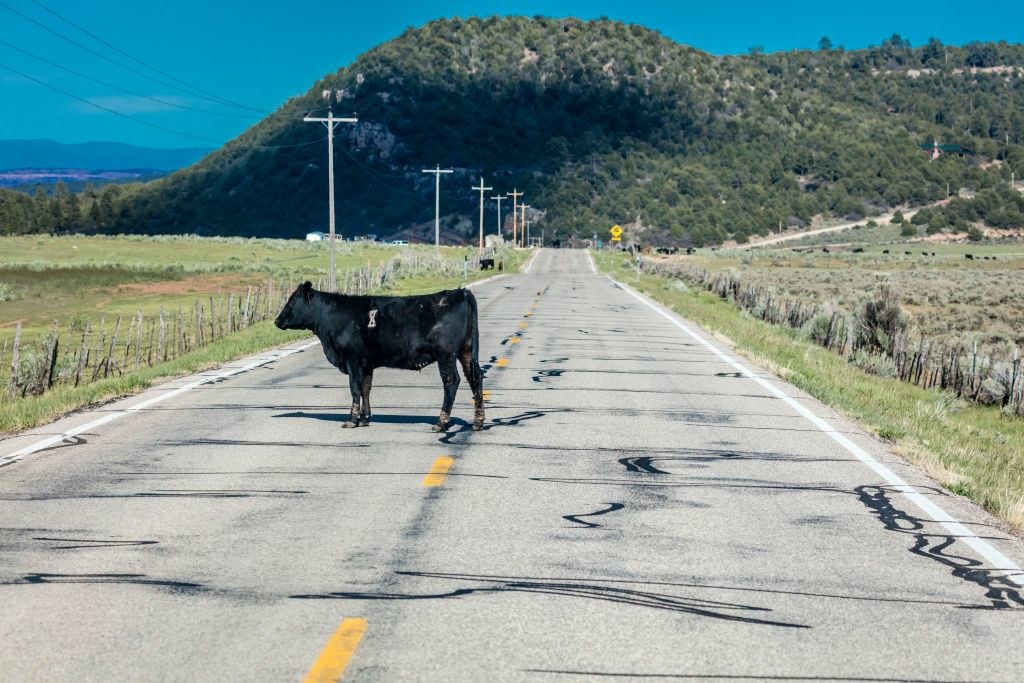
point(400, 242)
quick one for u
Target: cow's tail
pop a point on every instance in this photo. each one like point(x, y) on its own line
point(474, 328)
point(475, 374)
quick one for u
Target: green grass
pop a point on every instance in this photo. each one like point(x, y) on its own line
point(976, 451)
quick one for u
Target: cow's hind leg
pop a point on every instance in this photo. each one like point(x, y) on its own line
point(450, 379)
point(364, 413)
point(475, 377)
point(355, 385)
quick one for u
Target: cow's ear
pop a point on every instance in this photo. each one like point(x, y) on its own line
point(307, 291)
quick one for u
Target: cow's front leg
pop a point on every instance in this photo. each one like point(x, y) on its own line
point(364, 413)
point(450, 379)
point(355, 385)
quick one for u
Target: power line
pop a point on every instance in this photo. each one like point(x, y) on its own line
point(139, 61)
point(193, 93)
point(376, 177)
point(87, 77)
point(142, 122)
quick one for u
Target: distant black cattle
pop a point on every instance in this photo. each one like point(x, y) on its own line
point(361, 333)
point(557, 244)
point(825, 250)
point(486, 264)
point(969, 257)
point(906, 253)
point(885, 251)
point(858, 250)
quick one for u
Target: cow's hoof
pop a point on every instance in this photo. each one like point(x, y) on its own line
point(364, 422)
point(440, 426)
point(478, 426)
point(349, 424)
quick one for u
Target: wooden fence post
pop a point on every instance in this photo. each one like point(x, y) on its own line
point(12, 388)
point(138, 341)
point(46, 381)
point(113, 343)
point(160, 338)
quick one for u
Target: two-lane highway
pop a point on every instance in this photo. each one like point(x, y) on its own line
point(640, 506)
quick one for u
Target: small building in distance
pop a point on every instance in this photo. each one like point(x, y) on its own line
point(315, 236)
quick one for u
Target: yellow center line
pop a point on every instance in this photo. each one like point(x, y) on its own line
point(523, 325)
point(487, 394)
point(502, 362)
point(435, 477)
point(333, 659)
point(514, 340)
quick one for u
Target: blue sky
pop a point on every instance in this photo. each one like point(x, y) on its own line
point(260, 53)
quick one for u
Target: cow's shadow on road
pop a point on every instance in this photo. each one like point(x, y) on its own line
point(378, 419)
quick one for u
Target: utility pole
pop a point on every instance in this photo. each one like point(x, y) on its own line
point(514, 195)
point(526, 227)
point(499, 198)
point(331, 122)
point(437, 204)
point(522, 234)
point(482, 189)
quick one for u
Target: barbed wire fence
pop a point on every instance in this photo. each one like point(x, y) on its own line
point(873, 338)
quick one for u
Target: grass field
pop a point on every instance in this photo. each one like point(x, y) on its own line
point(948, 298)
point(69, 280)
point(976, 451)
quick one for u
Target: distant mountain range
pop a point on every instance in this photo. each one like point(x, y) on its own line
point(93, 156)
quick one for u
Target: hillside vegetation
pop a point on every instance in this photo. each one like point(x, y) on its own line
point(598, 122)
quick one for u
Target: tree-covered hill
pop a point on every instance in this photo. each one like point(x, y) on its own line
point(599, 123)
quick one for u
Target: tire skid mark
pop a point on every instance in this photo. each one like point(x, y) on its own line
point(612, 507)
point(642, 464)
point(89, 543)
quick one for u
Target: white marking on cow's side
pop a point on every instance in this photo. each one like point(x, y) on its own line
point(209, 379)
point(529, 264)
point(590, 258)
point(373, 318)
point(995, 558)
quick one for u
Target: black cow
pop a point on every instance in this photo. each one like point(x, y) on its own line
point(486, 264)
point(361, 333)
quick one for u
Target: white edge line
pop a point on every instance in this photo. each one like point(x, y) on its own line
point(995, 558)
point(593, 268)
point(71, 433)
point(529, 264)
point(492, 278)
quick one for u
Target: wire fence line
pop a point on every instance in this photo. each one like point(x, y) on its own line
point(84, 349)
point(876, 338)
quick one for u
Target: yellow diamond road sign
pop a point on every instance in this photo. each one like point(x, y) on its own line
point(616, 231)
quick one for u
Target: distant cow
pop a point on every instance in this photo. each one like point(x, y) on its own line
point(858, 250)
point(486, 264)
point(361, 333)
point(885, 251)
point(969, 257)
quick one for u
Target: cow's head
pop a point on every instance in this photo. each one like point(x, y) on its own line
point(297, 313)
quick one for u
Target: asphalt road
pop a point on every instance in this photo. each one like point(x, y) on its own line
point(639, 507)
